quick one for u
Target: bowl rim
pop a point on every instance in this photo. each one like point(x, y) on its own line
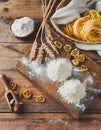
point(72, 39)
point(77, 40)
point(14, 35)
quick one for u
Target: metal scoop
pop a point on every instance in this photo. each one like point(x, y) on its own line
point(12, 101)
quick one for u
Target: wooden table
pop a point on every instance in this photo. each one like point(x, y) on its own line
point(35, 116)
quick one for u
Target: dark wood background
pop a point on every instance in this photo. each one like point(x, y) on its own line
point(35, 116)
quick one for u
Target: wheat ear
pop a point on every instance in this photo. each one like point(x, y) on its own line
point(35, 44)
point(49, 39)
point(34, 50)
point(40, 54)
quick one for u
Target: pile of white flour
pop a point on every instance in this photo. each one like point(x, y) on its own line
point(59, 69)
point(72, 91)
point(22, 26)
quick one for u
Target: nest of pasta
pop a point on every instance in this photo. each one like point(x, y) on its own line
point(86, 29)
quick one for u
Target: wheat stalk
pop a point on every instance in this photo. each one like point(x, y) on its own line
point(49, 51)
point(48, 32)
point(34, 50)
point(45, 46)
point(35, 44)
point(40, 55)
point(49, 38)
point(46, 13)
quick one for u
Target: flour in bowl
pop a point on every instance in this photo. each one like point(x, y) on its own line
point(22, 27)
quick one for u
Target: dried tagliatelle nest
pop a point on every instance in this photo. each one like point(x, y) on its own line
point(81, 24)
point(86, 28)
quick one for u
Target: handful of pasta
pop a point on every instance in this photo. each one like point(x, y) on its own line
point(86, 28)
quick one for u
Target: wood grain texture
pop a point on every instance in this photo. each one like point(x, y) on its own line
point(48, 88)
point(51, 90)
point(8, 58)
point(31, 119)
point(19, 8)
point(7, 40)
point(48, 121)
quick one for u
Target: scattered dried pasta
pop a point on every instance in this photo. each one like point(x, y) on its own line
point(58, 44)
point(12, 101)
point(16, 106)
point(80, 57)
point(40, 99)
point(83, 68)
point(12, 85)
point(75, 52)
point(27, 93)
point(77, 57)
point(67, 48)
point(75, 62)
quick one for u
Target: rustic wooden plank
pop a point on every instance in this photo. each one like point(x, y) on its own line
point(47, 87)
point(8, 58)
point(93, 55)
point(19, 47)
point(19, 8)
point(47, 121)
point(30, 106)
point(5, 35)
point(23, 47)
point(6, 39)
point(9, 61)
point(36, 121)
point(98, 61)
point(30, 8)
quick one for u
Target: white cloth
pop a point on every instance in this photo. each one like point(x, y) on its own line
point(71, 11)
point(90, 47)
point(98, 6)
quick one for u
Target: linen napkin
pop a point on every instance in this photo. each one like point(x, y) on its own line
point(98, 6)
point(71, 11)
point(89, 47)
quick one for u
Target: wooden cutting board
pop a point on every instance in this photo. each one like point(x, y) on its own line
point(51, 89)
